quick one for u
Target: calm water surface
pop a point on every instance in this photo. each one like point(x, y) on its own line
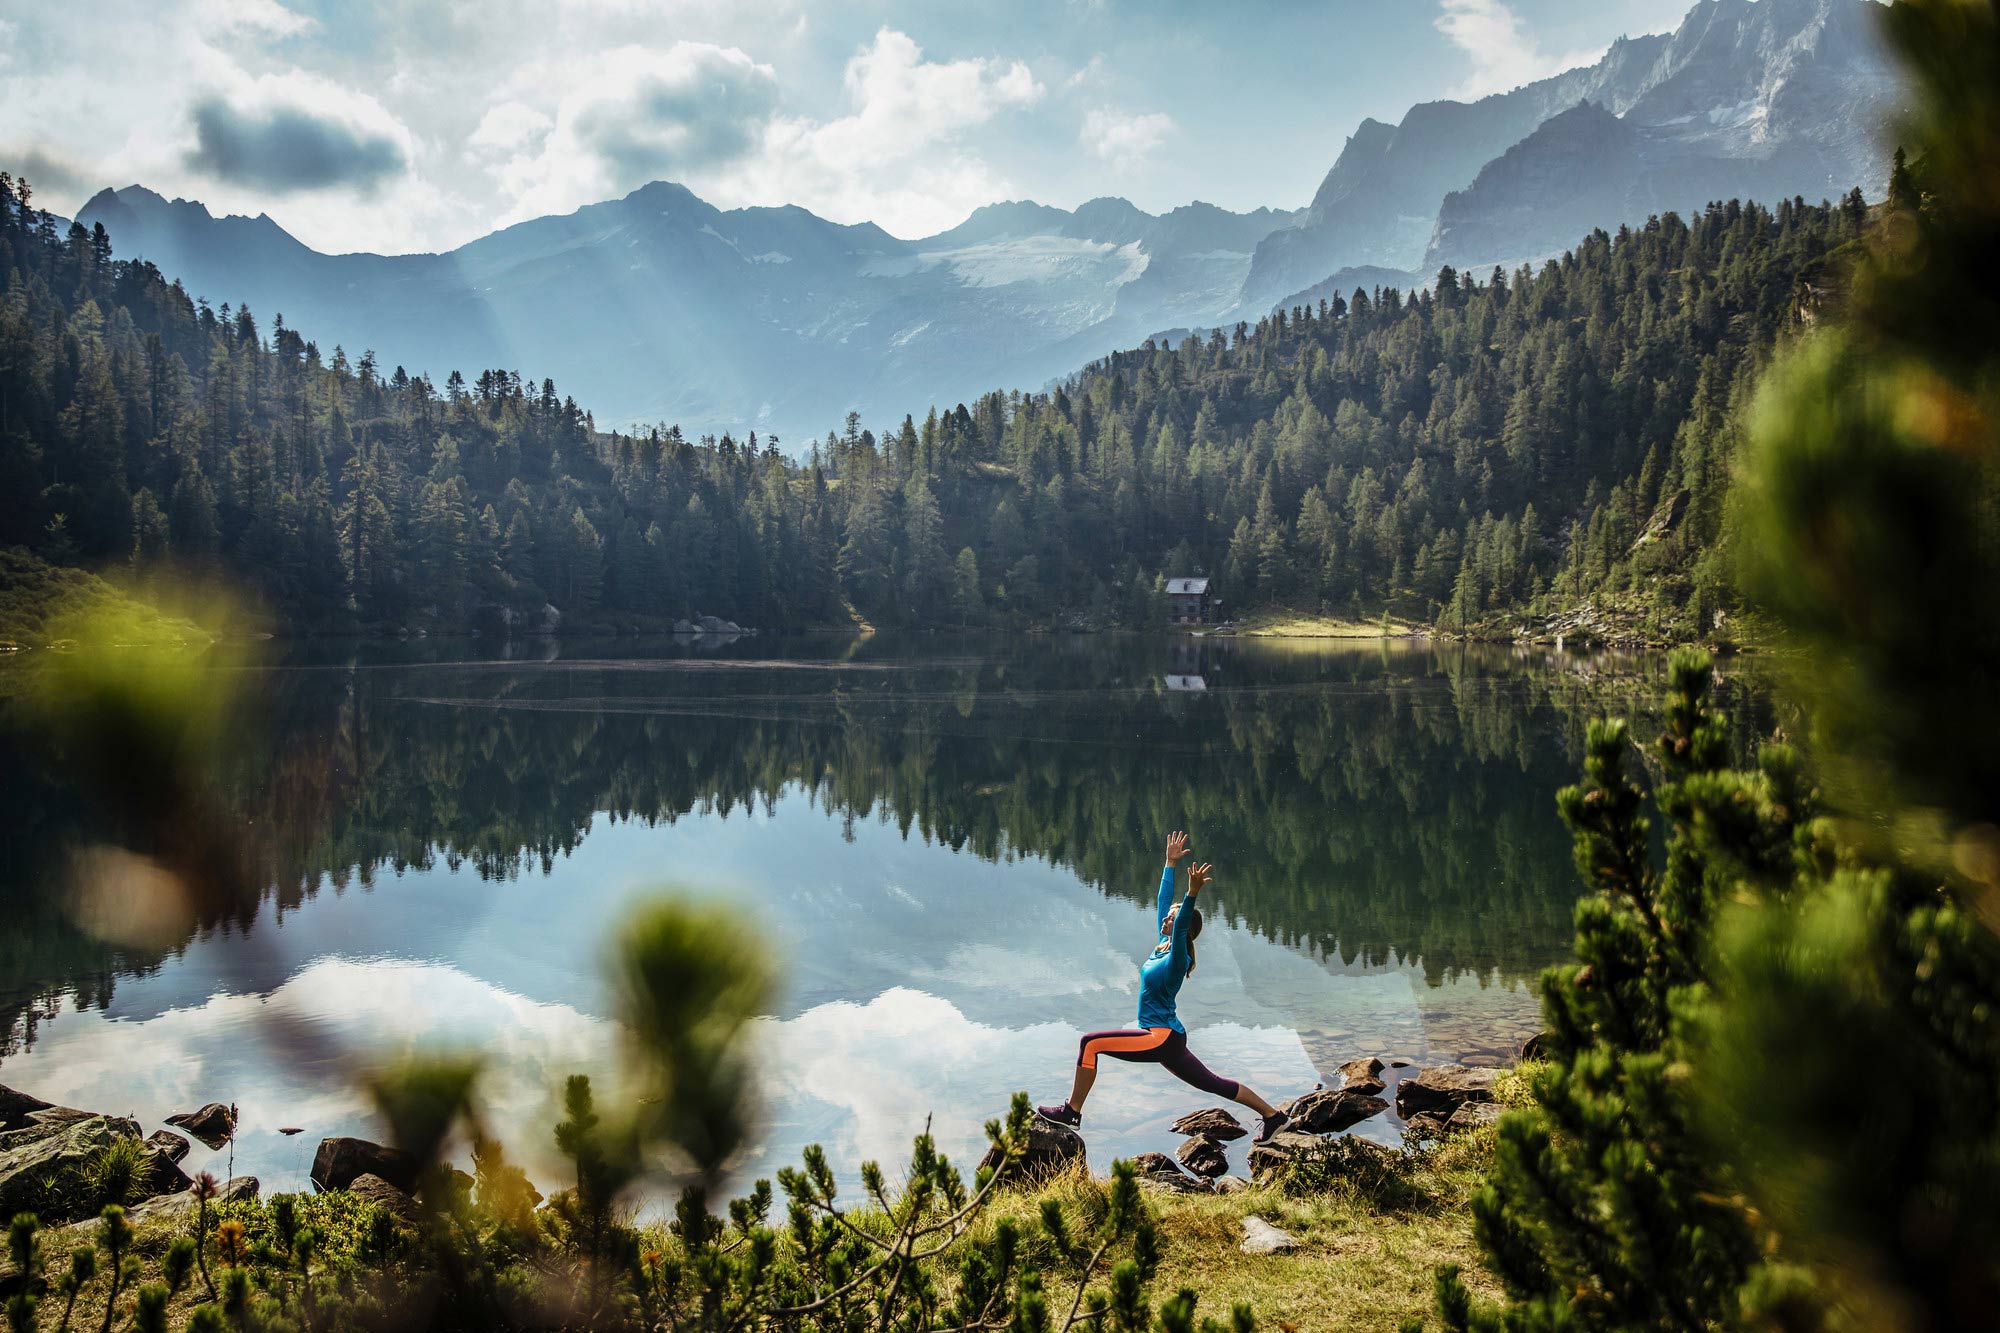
point(950, 844)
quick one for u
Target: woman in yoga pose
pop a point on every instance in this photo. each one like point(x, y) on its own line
point(1160, 1039)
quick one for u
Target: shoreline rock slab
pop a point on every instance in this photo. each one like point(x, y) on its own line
point(1473, 1115)
point(178, 1208)
point(371, 1188)
point(340, 1161)
point(1443, 1089)
point(42, 1165)
point(1213, 1122)
point(1204, 1156)
point(1279, 1151)
point(1260, 1237)
point(1331, 1110)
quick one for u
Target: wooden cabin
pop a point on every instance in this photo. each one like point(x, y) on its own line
point(1189, 601)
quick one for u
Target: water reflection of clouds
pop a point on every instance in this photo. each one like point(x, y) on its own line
point(918, 981)
point(859, 1077)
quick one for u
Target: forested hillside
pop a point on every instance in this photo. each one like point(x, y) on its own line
point(1496, 445)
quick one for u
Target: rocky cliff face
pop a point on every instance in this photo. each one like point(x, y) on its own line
point(1379, 204)
point(1753, 101)
point(1759, 100)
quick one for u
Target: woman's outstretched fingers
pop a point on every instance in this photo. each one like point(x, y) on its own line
point(1177, 847)
point(1198, 877)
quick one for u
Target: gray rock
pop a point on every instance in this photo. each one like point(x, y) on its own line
point(1424, 1125)
point(1260, 1237)
point(1535, 1047)
point(16, 1107)
point(1049, 1150)
point(1443, 1089)
point(1159, 1171)
point(1363, 1076)
point(178, 1208)
point(1230, 1185)
point(1214, 1123)
point(171, 1144)
point(1282, 1148)
point(211, 1124)
point(1329, 1111)
point(1204, 1156)
point(341, 1161)
point(20, 1110)
point(1473, 1115)
point(371, 1188)
point(43, 1166)
point(712, 624)
point(684, 627)
point(163, 1176)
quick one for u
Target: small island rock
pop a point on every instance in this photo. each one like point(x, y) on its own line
point(1363, 1076)
point(211, 1124)
point(1204, 1156)
point(1214, 1123)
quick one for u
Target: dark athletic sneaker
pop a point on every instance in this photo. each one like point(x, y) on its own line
point(1270, 1125)
point(1060, 1114)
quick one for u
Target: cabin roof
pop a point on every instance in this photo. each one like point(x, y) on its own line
point(1185, 587)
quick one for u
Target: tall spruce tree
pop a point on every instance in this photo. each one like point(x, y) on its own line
point(1873, 504)
point(1709, 1150)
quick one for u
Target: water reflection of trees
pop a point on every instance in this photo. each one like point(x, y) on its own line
point(1371, 804)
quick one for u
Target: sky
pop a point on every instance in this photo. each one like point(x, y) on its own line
point(404, 125)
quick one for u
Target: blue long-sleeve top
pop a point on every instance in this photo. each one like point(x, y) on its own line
point(1160, 976)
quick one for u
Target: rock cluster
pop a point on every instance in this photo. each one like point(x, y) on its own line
point(47, 1153)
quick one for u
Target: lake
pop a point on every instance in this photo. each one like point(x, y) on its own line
point(951, 845)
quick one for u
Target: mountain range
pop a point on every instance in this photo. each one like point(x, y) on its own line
point(660, 307)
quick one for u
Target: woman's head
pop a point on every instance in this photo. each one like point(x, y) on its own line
point(1193, 930)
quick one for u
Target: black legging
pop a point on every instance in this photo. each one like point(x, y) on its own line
point(1159, 1046)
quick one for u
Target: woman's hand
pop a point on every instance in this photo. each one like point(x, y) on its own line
point(1198, 878)
point(1177, 847)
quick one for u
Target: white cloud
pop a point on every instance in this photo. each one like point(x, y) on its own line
point(510, 127)
point(1124, 137)
point(710, 117)
point(266, 17)
point(296, 131)
point(1504, 54)
point(898, 157)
